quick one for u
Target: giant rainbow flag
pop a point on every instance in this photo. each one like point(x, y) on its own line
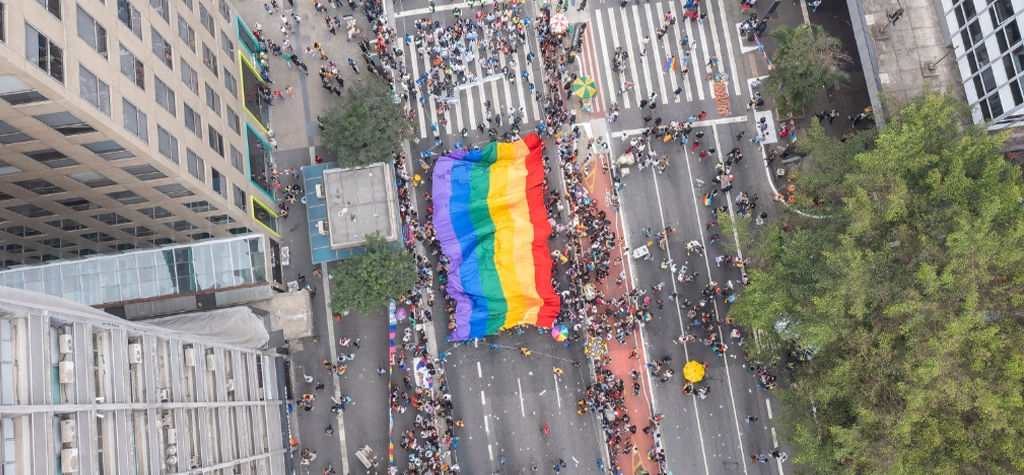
point(490, 218)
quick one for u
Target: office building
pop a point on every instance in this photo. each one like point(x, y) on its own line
point(987, 44)
point(128, 125)
point(82, 392)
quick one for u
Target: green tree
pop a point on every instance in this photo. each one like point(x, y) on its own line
point(805, 60)
point(365, 126)
point(908, 297)
point(364, 282)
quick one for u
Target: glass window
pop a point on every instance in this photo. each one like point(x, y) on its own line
point(44, 53)
point(78, 204)
point(108, 150)
point(135, 121)
point(93, 90)
point(164, 96)
point(200, 206)
point(8, 169)
point(196, 165)
point(144, 172)
point(222, 220)
point(168, 144)
point(155, 212)
point(225, 9)
point(205, 18)
point(51, 158)
point(30, 211)
point(188, 3)
point(92, 32)
point(132, 68)
point(974, 29)
point(212, 99)
point(66, 123)
point(126, 197)
point(174, 190)
point(229, 82)
point(52, 6)
point(988, 80)
point(189, 77)
point(186, 33)
point(239, 197)
point(57, 243)
point(66, 225)
point(216, 140)
point(218, 182)
point(193, 121)
point(236, 160)
point(210, 60)
point(130, 16)
point(10, 135)
point(1013, 32)
point(180, 225)
point(92, 179)
point(227, 45)
point(3, 23)
point(111, 218)
point(138, 231)
point(162, 49)
point(99, 237)
point(996, 105)
point(234, 121)
point(23, 231)
point(40, 186)
point(162, 9)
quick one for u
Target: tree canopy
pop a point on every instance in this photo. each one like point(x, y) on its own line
point(364, 282)
point(805, 60)
point(365, 126)
point(907, 295)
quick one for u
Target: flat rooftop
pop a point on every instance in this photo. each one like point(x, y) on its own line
point(359, 202)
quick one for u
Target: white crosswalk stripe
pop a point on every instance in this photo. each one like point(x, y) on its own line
point(648, 72)
point(469, 108)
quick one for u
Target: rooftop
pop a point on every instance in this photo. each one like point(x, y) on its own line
point(360, 201)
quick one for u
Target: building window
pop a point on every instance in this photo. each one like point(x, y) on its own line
point(162, 241)
point(85, 253)
point(144, 172)
point(196, 165)
point(22, 231)
point(108, 150)
point(78, 204)
point(162, 49)
point(174, 190)
point(205, 18)
point(238, 231)
point(192, 120)
point(239, 197)
point(218, 182)
point(8, 169)
point(15, 91)
point(229, 82)
point(135, 121)
point(210, 60)
point(92, 32)
point(221, 220)
point(201, 236)
point(180, 225)
point(237, 162)
point(126, 197)
point(66, 225)
point(40, 186)
point(132, 68)
point(189, 76)
point(188, 3)
point(111, 218)
point(94, 90)
point(165, 97)
point(187, 34)
point(155, 212)
point(30, 211)
point(130, 16)
point(92, 179)
point(200, 206)
point(10, 135)
point(234, 121)
point(162, 9)
point(168, 144)
point(66, 123)
point(98, 236)
point(44, 53)
point(52, 6)
point(212, 99)
point(3, 24)
point(225, 9)
point(216, 140)
point(51, 158)
point(57, 243)
point(227, 45)
point(122, 247)
point(139, 231)
point(17, 249)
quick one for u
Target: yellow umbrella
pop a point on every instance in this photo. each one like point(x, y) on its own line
point(693, 371)
point(584, 87)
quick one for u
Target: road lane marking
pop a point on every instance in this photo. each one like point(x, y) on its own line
point(558, 396)
point(768, 404)
point(479, 370)
point(522, 404)
point(487, 427)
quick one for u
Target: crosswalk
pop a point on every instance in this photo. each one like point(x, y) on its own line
point(467, 103)
point(626, 28)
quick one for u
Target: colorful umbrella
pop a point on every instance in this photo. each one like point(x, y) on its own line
point(559, 23)
point(693, 371)
point(560, 332)
point(584, 87)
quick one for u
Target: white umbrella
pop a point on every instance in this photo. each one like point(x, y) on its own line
point(559, 23)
